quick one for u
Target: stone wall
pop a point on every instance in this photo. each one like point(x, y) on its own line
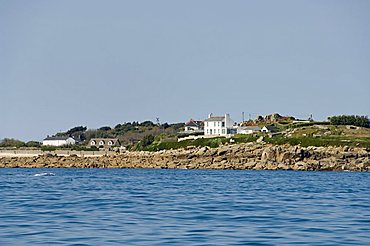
point(241, 156)
point(31, 153)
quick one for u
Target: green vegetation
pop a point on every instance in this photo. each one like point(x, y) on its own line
point(320, 141)
point(210, 142)
point(129, 133)
point(324, 135)
point(48, 148)
point(355, 120)
point(298, 125)
point(14, 143)
point(163, 144)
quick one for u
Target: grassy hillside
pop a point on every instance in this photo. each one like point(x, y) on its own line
point(324, 135)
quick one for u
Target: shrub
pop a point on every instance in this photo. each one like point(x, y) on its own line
point(11, 142)
point(48, 148)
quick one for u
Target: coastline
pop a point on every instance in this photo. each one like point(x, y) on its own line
point(249, 156)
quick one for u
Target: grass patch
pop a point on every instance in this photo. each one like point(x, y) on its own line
point(209, 142)
point(320, 141)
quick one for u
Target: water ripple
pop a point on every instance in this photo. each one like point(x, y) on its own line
point(183, 207)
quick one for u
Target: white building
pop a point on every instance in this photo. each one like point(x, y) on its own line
point(218, 125)
point(194, 126)
point(248, 129)
point(58, 141)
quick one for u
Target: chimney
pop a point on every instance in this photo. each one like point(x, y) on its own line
point(210, 115)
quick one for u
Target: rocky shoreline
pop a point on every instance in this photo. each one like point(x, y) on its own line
point(242, 156)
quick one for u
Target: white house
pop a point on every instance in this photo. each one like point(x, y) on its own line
point(58, 141)
point(218, 125)
point(248, 129)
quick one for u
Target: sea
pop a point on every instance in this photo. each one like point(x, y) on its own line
point(183, 207)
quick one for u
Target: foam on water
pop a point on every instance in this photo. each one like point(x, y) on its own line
point(44, 174)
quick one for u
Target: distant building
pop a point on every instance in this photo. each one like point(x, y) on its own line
point(267, 129)
point(58, 141)
point(218, 125)
point(301, 121)
point(248, 129)
point(104, 143)
point(194, 126)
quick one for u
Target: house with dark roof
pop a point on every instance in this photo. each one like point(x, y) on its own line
point(194, 126)
point(58, 141)
point(218, 125)
point(104, 143)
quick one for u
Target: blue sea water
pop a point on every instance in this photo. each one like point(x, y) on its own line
point(183, 207)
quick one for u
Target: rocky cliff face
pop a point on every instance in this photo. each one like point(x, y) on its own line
point(242, 156)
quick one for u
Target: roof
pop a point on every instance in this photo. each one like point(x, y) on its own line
point(104, 139)
point(215, 118)
point(192, 122)
point(270, 128)
point(254, 128)
point(57, 138)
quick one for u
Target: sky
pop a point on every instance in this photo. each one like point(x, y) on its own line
point(100, 63)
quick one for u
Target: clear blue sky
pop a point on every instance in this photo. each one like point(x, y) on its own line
point(94, 63)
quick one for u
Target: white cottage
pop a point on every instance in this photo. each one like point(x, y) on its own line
point(58, 141)
point(218, 125)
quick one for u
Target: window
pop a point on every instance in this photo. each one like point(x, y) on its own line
point(101, 142)
point(92, 142)
point(210, 131)
point(110, 143)
point(223, 124)
point(223, 131)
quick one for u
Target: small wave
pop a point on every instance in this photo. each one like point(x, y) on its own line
point(44, 174)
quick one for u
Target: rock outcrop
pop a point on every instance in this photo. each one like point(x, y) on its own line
point(242, 156)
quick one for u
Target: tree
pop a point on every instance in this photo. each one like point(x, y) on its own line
point(147, 140)
point(356, 120)
point(11, 142)
point(76, 129)
point(33, 144)
point(147, 123)
point(105, 128)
